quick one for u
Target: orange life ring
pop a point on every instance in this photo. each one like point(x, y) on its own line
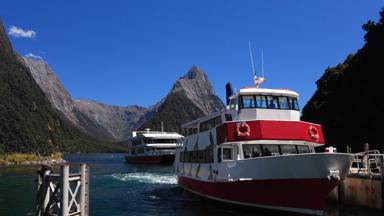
point(243, 130)
point(313, 133)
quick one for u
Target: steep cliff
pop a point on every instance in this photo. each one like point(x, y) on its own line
point(97, 119)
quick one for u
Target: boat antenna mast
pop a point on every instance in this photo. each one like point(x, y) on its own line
point(257, 80)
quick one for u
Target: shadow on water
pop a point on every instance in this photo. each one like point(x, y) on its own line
point(118, 189)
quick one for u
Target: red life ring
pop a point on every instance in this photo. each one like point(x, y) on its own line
point(313, 133)
point(243, 130)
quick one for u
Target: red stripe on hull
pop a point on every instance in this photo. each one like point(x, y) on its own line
point(290, 193)
point(270, 130)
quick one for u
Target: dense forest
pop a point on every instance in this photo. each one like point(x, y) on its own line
point(28, 123)
point(349, 100)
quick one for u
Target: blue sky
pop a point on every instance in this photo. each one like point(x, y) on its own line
point(126, 52)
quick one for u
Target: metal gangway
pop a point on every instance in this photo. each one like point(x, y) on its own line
point(367, 163)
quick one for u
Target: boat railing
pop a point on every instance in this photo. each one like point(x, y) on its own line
point(367, 162)
point(155, 132)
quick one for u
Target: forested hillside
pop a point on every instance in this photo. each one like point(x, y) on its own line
point(349, 101)
point(28, 123)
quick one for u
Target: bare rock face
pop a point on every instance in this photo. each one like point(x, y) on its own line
point(97, 119)
point(191, 97)
point(118, 121)
point(199, 90)
point(52, 87)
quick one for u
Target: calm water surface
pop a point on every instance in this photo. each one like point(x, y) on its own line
point(118, 189)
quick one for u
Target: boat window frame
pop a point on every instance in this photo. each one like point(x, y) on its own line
point(262, 101)
point(210, 123)
point(253, 102)
point(232, 155)
point(281, 152)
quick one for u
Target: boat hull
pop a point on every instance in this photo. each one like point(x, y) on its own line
point(296, 195)
point(158, 159)
point(297, 183)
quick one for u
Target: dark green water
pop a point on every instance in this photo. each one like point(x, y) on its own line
point(118, 189)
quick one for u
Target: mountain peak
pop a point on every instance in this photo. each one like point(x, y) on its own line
point(199, 90)
point(194, 72)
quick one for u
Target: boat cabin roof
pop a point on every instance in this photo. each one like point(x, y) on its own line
point(163, 136)
point(155, 135)
point(263, 91)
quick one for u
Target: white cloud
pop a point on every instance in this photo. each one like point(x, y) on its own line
point(33, 56)
point(18, 32)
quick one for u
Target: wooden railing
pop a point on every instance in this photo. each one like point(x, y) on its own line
point(64, 194)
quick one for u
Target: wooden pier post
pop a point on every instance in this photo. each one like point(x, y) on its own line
point(64, 184)
point(84, 197)
point(63, 194)
point(43, 196)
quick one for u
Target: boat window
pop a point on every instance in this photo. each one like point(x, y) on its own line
point(192, 131)
point(270, 150)
point(261, 101)
point(288, 149)
point(251, 151)
point(136, 142)
point(248, 101)
point(198, 156)
point(232, 104)
point(133, 152)
point(209, 124)
point(228, 117)
point(273, 102)
point(284, 103)
point(303, 149)
point(149, 141)
point(209, 156)
point(293, 103)
point(165, 148)
point(140, 150)
point(227, 153)
point(201, 158)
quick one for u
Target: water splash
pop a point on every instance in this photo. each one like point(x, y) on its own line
point(150, 178)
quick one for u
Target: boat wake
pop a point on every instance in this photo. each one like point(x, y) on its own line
point(150, 178)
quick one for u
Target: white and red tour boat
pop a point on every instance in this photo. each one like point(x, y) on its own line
point(152, 147)
point(258, 153)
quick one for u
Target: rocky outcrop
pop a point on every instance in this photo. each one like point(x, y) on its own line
point(191, 97)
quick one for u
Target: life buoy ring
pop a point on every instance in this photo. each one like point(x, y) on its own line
point(313, 133)
point(243, 130)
